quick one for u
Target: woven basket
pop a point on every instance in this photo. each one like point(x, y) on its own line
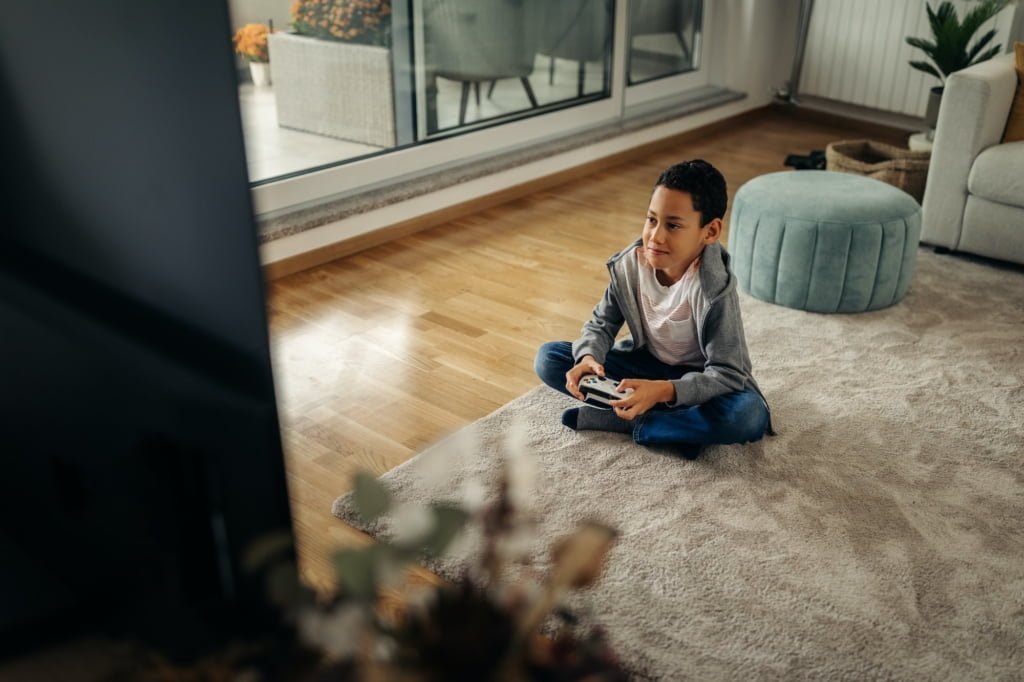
point(901, 168)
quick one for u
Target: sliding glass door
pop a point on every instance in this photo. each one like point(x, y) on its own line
point(664, 49)
point(483, 62)
point(430, 82)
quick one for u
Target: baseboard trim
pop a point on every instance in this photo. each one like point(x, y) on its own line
point(348, 247)
point(852, 116)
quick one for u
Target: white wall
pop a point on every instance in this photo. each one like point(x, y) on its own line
point(1017, 27)
point(753, 46)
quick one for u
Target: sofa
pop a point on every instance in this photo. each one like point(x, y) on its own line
point(974, 197)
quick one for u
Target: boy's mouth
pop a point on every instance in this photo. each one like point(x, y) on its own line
point(656, 252)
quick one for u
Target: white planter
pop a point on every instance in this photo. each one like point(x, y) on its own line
point(332, 88)
point(260, 72)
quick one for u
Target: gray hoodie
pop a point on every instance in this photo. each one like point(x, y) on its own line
point(719, 326)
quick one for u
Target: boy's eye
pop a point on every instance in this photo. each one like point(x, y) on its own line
point(651, 219)
point(674, 226)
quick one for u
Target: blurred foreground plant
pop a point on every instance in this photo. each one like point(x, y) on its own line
point(485, 625)
point(498, 621)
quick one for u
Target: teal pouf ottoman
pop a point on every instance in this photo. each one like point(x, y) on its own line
point(823, 241)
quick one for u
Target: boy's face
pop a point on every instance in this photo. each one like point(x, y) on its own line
point(673, 235)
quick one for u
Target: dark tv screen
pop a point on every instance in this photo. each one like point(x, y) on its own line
point(141, 453)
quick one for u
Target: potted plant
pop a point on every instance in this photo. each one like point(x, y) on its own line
point(333, 73)
point(950, 48)
point(251, 43)
point(491, 623)
point(366, 22)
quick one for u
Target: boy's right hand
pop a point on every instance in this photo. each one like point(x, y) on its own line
point(586, 365)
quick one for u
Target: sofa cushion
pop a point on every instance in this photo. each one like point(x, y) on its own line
point(993, 229)
point(996, 174)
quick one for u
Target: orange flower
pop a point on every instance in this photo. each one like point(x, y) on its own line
point(360, 21)
point(251, 42)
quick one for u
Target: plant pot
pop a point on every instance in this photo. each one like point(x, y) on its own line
point(260, 72)
point(931, 114)
point(333, 88)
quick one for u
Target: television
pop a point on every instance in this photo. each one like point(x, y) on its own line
point(141, 451)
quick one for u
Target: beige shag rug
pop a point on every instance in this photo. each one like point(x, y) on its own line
point(880, 535)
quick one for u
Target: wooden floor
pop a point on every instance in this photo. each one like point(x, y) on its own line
point(379, 354)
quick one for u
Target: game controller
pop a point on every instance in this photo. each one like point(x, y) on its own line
point(600, 391)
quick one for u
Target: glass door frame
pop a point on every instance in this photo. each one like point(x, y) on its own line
point(668, 86)
point(289, 194)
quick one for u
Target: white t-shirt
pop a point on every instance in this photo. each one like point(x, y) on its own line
point(667, 313)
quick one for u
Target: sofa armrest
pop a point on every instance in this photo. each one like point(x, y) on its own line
point(975, 105)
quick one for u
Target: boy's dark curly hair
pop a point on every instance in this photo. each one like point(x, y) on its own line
point(703, 182)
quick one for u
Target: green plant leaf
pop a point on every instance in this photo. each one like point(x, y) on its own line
point(981, 13)
point(951, 37)
point(449, 521)
point(927, 68)
point(370, 497)
point(356, 573)
point(362, 572)
point(979, 45)
point(266, 549)
point(938, 18)
point(927, 47)
point(949, 50)
point(283, 586)
point(390, 563)
point(988, 55)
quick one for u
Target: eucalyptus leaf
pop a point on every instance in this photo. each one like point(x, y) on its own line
point(370, 497)
point(266, 549)
point(390, 563)
point(449, 521)
point(356, 572)
point(283, 586)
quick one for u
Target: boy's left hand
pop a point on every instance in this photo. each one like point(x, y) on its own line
point(646, 394)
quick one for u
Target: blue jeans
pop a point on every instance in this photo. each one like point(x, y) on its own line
point(737, 417)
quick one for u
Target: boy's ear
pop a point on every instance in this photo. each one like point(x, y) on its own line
point(712, 231)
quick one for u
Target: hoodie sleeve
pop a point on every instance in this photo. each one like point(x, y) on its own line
point(598, 334)
point(728, 363)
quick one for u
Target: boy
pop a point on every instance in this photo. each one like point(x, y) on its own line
point(686, 361)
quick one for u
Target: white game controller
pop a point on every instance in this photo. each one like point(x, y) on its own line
point(600, 391)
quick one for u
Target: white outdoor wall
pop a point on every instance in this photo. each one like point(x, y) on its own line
point(244, 12)
point(259, 11)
